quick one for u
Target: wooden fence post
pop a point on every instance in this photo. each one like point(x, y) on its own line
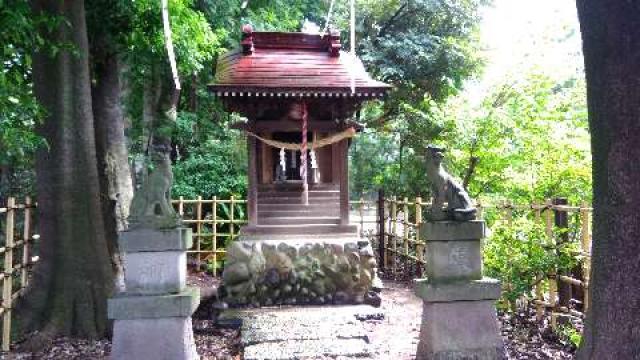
point(539, 298)
point(561, 221)
point(214, 241)
point(381, 236)
point(548, 220)
point(232, 218)
point(198, 232)
point(394, 235)
point(419, 246)
point(26, 238)
point(7, 284)
point(405, 233)
point(548, 216)
point(540, 308)
point(361, 211)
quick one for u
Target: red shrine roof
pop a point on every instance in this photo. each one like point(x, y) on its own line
point(284, 64)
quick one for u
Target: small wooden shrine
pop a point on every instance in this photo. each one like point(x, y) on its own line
point(298, 93)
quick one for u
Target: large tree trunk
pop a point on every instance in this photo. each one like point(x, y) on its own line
point(111, 148)
point(611, 41)
point(68, 295)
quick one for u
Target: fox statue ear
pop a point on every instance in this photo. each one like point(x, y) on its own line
point(435, 149)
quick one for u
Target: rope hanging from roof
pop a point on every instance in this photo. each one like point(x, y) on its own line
point(345, 134)
point(328, 19)
point(303, 155)
point(352, 40)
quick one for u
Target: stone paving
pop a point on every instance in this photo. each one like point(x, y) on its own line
point(331, 332)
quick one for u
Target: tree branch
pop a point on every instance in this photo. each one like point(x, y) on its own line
point(391, 20)
point(473, 162)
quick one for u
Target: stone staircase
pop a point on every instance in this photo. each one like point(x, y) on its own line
point(280, 211)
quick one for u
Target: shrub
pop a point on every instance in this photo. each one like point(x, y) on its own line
point(518, 253)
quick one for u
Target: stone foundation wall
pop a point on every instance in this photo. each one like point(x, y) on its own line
point(309, 271)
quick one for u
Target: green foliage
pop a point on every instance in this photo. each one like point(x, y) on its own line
point(517, 254)
point(214, 168)
point(426, 49)
point(421, 47)
point(19, 111)
point(531, 140)
point(284, 15)
point(194, 41)
point(569, 334)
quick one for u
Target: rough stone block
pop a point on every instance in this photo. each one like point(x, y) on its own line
point(154, 339)
point(308, 270)
point(460, 330)
point(452, 230)
point(140, 240)
point(155, 272)
point(125, 306)
point(454, 260)
point(485, 289)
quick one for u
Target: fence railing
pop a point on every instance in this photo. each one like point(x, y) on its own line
point(401, 252)
point(16, 235)
point(215, 223)
point(392, 224)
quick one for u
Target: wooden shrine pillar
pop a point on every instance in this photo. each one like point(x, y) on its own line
point(252, 196)
point(343, 147)
point(335, 163)
point(266, 157)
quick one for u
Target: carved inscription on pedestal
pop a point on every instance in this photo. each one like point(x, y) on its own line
point(155, 272)
point(460, 257)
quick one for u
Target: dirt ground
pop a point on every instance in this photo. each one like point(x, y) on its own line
point(393, 337)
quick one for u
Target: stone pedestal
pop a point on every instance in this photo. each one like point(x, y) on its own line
point(152, 318)
point(307, 269)
point(459, 317)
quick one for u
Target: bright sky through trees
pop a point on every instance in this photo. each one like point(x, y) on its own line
point(519, 35)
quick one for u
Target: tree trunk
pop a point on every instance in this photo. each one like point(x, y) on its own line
point(611, 38)
point(111, 149)
point(70, 287)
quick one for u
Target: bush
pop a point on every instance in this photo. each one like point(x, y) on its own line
point(518, 253)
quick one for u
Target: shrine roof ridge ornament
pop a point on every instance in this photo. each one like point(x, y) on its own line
point(291, 64)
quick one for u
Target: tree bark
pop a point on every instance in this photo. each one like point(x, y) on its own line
point(111, 150)
point(611, 38)
point(70, 287)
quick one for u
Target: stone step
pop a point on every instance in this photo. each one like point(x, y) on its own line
point(314, 212)
point(344, 236)
point(299, 207)
point(312, 194)
point(296, 200)
point(298, 220)
point(297, 186)
point(299, 229)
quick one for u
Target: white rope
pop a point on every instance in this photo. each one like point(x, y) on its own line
point(353, 46)
point(328, 19)
point(169, 43)
point(348, 133)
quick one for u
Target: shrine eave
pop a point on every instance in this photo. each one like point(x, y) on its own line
point(273, 64)
point(248, 92)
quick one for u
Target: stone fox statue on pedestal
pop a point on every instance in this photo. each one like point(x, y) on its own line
point(151, 204)
point(446, 189)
